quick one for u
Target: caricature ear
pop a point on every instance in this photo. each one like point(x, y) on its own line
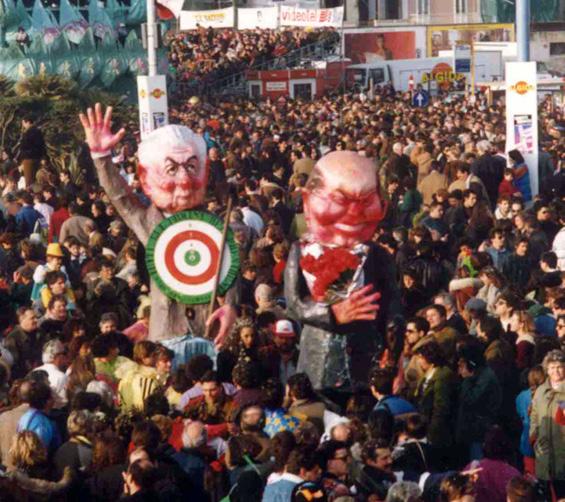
point(142, 173)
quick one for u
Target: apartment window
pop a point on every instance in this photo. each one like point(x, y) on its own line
point(423, 7)
point(557, 49)
point(461, 6)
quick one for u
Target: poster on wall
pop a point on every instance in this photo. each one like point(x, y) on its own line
point(444, 37)
point(524, 133)
point(370, 47)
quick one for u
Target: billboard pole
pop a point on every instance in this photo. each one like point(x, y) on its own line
point(152, 88)
point(151, 39)
point(523, 29)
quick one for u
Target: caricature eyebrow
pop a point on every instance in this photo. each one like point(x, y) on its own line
point(194, 157)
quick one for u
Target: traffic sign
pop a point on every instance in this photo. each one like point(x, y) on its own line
point(421, 99)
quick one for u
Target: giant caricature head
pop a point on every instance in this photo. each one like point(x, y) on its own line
point(172, 168)
point(342, 205)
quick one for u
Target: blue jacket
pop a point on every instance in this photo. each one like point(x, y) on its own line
point(395, 406)
point(499, 257)
point(523, 402)
point(523, 184)
point(281, 490)
point(192, 462)
point(26, 218)
point(36, 421)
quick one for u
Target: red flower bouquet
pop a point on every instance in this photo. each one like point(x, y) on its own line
point(332, 271)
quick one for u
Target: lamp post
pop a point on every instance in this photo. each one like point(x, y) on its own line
point(523, 29)
point(151, 38)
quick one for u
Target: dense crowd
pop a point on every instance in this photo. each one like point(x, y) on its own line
point(207, 55)
point(465, 396)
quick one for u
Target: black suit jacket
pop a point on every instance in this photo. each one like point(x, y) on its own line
point(32, 145)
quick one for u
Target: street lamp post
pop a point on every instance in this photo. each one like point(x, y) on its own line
point(151, 38)
point(523, 29)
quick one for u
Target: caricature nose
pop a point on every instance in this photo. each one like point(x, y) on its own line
point(355, 208)
point(184, 178)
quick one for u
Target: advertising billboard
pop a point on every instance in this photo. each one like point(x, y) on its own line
point(444, 37)
point(369, 47)
point(522, 115)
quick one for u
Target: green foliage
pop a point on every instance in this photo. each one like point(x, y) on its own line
point(55, 103)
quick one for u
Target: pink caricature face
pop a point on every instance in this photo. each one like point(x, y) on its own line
point(175, 180)
point(343, 207)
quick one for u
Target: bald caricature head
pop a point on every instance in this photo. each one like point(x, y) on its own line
point(342, 205)
point(172, 168)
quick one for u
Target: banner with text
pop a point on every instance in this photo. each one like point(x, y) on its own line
point(218, 18)
point(264, 17)
point(312, 18)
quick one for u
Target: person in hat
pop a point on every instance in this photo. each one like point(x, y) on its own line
point(475, 309)
point(53, 263)
point(173, 174)
point(281, 357)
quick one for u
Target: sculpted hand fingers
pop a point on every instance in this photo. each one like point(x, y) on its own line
point(116, 138)
point(108, 118)
point(361, 292)
point(84, 121)
point(364, 300)
point(365, 317)
point(98, 113)
point(90, 114)
point(367, 309)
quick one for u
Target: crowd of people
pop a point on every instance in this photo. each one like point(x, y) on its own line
point(465, 400)
point(207, 55)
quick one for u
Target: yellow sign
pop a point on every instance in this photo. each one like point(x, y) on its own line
point(442, 73)
point(142, 93)
point(522, 87)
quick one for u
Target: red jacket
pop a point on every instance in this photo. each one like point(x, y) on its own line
point(57, 219)
point(507, 188)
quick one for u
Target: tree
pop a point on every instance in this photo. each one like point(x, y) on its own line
point(55, 104)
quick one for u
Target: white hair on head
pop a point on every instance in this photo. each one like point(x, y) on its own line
point(170, 138)
point(194, 434)
point(51, 349)
point(484, 146)
point(398, 148)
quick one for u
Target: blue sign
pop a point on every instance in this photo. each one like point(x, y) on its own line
point(462, 66)
point(421, 99)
